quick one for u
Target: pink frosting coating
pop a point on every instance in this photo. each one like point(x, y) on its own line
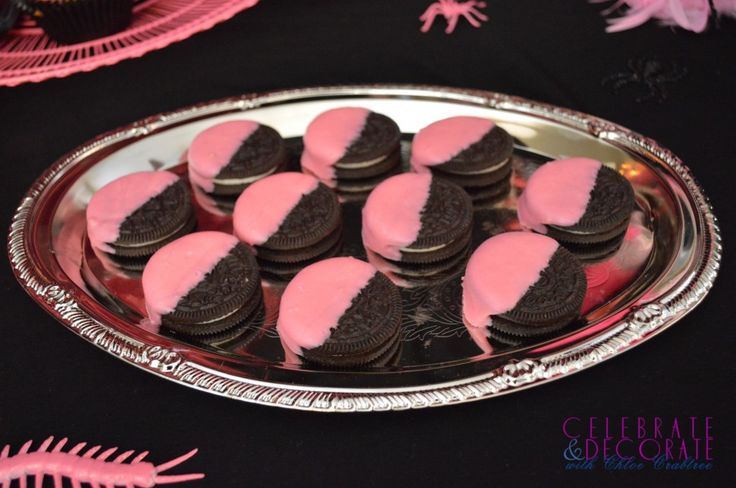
point(557, 193)
point(442, 140)
point(500, 271)
point(480, 337)
point(327, 138)
point(212, 149)
point(392, 213)
point(317, 297)
point(114, 202)
point(179, 266)
point(263, 206)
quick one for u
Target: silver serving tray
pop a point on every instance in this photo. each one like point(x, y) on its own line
point(666, 274)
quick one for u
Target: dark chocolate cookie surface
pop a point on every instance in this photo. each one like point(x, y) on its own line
point(607, 214)
point(487, 155)
point(162, 219)
point(225, 295)
point(159, 217)
point(380, 137)
point(552, 302)
point(367, 330)
point(446, 223)
point(316, 216)
point(261, 152)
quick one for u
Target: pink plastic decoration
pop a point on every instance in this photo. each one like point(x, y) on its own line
point(725, 7)
point(451, 10)
point(28, 55)
point(84, 468)
point(691, 15)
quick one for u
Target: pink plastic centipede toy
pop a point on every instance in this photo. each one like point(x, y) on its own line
point(84, 468)
point(452, 10)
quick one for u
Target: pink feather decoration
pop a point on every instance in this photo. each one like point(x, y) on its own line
point(725, 7)
point(691, 15)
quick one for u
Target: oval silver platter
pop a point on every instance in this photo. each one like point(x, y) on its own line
point(663, 270)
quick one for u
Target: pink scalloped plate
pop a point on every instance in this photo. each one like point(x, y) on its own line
point(28, 55)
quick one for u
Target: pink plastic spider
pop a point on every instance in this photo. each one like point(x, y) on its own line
point(84, 468)
point(451, 10)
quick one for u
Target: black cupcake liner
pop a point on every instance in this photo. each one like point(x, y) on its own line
point(74, 21)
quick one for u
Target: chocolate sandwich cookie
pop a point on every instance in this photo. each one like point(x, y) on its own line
point(224, 159)
point(202, 284)
point(351, 149)
point(522, 284)
point(472, 152)
point(418, 223)
point(133, 216)
point(342, 313)
point(581, 203)
point(411, 275)
point(290, 219)
point(234, 338)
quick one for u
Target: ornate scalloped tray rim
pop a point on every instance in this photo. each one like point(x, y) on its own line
point(642, 322)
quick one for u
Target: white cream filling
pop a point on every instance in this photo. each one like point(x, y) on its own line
point(242, 181)
point(487, 170)
point(426, 249)
point(362, 164)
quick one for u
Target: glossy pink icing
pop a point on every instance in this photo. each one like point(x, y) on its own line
point(557, 193)
point(111, 204)
point(327, 138)
point(317, 297)
point(179, 266)
point(442, 140)
point(500, 271)
point(212, 149)
point(263, 206)
point(392, 213)
point(480, 336)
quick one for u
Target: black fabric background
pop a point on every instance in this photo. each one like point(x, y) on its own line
point(51, 382)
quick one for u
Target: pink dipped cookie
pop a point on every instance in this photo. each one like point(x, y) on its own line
point(133, 216)
point(472, 152)
point(579, 202)
point(290, 219)
point(351, 148)
point(420, 225)
point(225, 158)
point(341, 312)
point(202, 284)
point(522, 284)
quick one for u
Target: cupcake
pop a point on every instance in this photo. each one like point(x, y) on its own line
point(133, 216)
point(417, 224)
point(351, 149)
point(341, 313)
point(521, 285)
point(290, 220)
point(8, 15)
point(472, 152)
point(72, 21)
point(225, 158)
point(581, 203)
point(203, 284)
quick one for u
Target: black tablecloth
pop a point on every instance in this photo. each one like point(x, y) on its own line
point(52, 382)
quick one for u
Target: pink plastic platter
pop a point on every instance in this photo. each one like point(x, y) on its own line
point(28, 55)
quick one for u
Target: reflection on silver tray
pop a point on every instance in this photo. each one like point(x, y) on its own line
point(664, 268)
